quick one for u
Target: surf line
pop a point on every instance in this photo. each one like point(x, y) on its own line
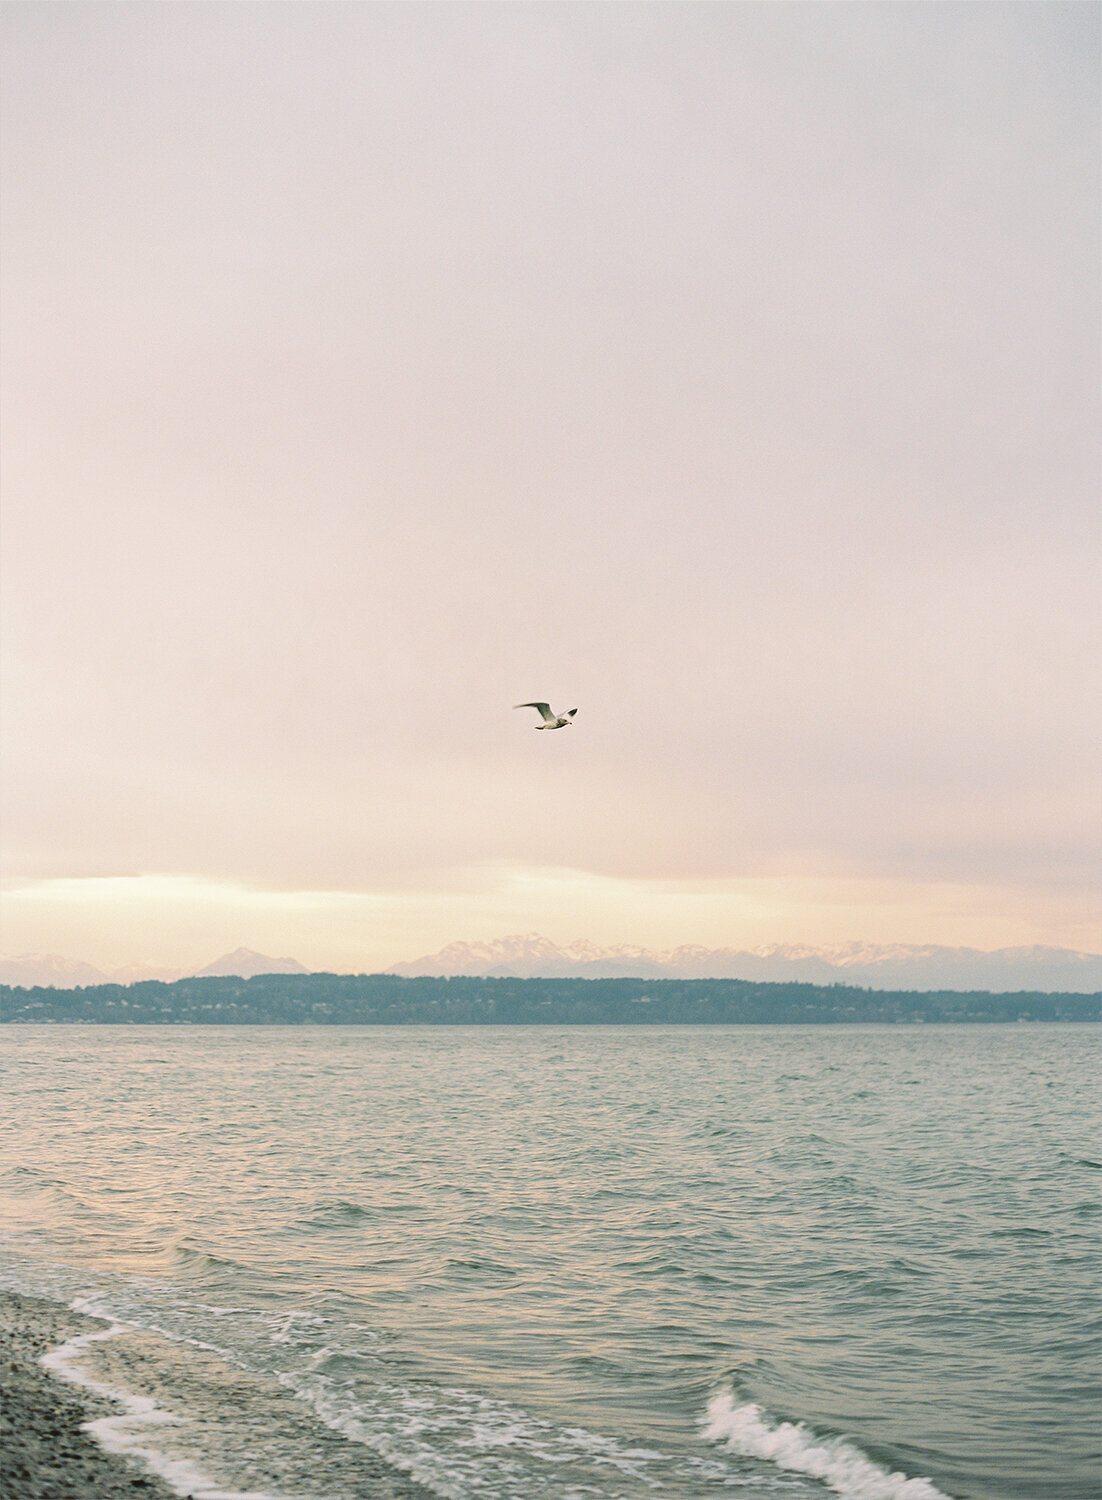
point(130, 1435)
point(839, 1464)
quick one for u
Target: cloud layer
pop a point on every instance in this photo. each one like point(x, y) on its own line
point(726, 371)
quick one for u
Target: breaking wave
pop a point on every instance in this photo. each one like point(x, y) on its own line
point(840, 1465)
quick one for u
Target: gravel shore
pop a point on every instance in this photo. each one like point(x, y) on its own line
point(44, 1455)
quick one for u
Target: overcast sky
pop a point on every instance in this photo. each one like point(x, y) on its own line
point(728, 371)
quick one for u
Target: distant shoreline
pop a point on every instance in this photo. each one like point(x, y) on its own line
point(388, 999)
point(641, 1025)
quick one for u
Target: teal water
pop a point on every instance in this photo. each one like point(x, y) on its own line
point(593, 1263)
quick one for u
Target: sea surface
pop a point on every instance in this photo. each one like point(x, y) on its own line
point(578, 1263)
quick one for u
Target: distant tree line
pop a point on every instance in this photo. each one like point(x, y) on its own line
point(386, 999)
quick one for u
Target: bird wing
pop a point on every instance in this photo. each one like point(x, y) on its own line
point(570, 712)
point(544, 708)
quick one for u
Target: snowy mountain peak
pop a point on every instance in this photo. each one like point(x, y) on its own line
point(880, 966)
point(244, 963)
point(47, 970)
point(30, 969)
point(530, 955)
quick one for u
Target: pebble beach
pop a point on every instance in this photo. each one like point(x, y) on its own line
point(44, 1452)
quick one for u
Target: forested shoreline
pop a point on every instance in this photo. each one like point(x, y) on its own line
point(387, 999)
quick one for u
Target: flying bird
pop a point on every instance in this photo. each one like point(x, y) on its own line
point(550, 720)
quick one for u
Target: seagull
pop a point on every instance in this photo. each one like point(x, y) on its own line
point(550, 720)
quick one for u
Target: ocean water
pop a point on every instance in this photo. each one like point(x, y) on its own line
point(575, 1263)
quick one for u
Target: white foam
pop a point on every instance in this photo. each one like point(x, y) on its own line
point(133, 1434)
point(840, 1465)
point(459, 1443)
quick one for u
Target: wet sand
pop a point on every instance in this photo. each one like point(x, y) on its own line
point(45, 1454)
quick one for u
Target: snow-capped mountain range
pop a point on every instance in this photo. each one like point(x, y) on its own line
point(31, 969)
point(876, 966)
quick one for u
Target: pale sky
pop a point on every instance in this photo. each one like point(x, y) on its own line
point(728, 371)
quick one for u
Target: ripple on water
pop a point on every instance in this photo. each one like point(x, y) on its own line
point(596, 1232)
